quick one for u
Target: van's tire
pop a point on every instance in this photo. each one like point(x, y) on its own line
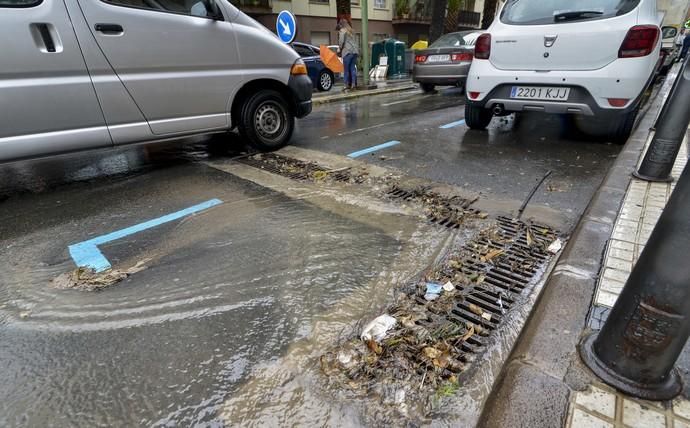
point(325, 82)
point(622, 126)
point(477, 117)
point(427, 87)
point(266, 121)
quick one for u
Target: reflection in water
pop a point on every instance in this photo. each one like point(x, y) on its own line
point(43, 174)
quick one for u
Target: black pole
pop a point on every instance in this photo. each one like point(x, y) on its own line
point(648, 326)
point(670, 131)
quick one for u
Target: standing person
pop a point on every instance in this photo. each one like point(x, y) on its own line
point(349, 51)
point(679, 42)
point(686, 47)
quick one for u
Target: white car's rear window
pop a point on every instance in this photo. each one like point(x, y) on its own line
point(539, 12)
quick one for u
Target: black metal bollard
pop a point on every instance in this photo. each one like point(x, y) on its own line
point(670, 131)
point(648, 326)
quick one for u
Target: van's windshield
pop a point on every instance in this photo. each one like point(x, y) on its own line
point(536, 12)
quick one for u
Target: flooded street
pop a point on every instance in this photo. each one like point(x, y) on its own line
point(226, 324)
point(177, 340)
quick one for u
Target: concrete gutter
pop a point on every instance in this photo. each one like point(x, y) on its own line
point(535, 384)
point(362, 93)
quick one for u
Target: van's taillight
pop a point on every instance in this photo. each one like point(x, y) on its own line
point(640, 41)
point(482, 49)
point(473, 95)
point(299, 67)
point(461, 57)
point(420, 58)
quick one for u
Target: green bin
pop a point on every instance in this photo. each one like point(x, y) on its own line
point(394, 50)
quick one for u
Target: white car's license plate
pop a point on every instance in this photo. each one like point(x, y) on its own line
point(540, 93)
point(438, 58)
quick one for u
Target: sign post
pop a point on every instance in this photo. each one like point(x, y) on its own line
point(286, 26)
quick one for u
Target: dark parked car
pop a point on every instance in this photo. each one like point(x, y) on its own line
point(446, 62)
point(321, 77)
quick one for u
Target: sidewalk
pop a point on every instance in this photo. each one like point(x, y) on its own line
point(382, 87)
point(599, 405)
point(544, 383)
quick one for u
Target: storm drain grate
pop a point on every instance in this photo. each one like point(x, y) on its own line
point(490, 273)
point(445, 211)
point(298, 170)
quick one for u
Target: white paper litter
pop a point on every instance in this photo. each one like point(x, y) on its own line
point(486, 316)
point(378, 328)
point(448, 286)
point(555, 246)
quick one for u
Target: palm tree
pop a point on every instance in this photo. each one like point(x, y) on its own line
point(489, 13)
point(343, 10)
point(438, 19)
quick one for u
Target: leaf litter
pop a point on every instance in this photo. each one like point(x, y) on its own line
point(86, 279)
point(423, 355)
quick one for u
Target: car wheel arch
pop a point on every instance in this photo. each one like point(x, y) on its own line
point(250, 88)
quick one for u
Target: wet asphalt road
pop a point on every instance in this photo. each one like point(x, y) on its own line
point(228, 291)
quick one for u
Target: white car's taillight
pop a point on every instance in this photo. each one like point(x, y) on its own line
point(640, 41)
point(482, 48)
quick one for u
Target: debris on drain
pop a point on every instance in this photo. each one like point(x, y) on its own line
point(86, 279)
point(442, 321)
point(447, 211)
point(377, 329)
point(303, 171)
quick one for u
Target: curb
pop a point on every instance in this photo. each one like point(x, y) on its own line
point(358, 94)
point(544, 366)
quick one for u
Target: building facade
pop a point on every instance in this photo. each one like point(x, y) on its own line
point(407, 20)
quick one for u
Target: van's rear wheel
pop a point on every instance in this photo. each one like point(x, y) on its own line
point(477, 117)
point(266, 120)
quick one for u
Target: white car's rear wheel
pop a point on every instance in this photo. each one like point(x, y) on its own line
point(477, 117)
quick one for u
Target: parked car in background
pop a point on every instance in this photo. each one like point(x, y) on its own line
point(164, 70)
point(591, 59)
point(669, 50)
point(446, 62)
point(320, 75)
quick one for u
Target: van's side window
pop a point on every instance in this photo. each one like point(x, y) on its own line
point(19, 3)
point(187, 7)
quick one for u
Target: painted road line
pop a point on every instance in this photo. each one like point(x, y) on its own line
point(401, 102)
point(453, 124)
point(373, 149)
point(86, 254)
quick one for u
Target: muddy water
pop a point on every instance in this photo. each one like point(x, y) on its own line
point(224, 326)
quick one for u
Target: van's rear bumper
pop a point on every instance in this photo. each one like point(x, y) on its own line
point(301, 89)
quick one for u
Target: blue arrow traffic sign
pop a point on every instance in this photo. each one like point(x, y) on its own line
point(286, 26)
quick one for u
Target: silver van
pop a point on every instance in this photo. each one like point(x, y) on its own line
point(83, 74)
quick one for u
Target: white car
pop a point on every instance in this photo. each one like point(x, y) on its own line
point(589, 57)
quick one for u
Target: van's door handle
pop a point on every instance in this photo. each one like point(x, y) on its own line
point(109, 28)
point(46, 37)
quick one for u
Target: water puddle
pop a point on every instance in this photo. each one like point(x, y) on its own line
point(225, 325)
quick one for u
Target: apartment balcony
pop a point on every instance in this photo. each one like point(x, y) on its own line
point(468, 19)
point(418, 12)
point(254, 6)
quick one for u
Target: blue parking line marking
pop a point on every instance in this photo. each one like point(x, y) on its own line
point(86, 254)
point(453, 124)
point(373, 149)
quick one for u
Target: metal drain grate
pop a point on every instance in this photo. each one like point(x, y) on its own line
point(501, 264)
point(298, 170)
point(445, 211)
